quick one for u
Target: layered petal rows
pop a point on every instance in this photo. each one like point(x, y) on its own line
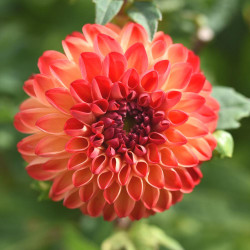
point(118, 124)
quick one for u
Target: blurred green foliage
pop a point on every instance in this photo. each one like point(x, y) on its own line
point(215, 216)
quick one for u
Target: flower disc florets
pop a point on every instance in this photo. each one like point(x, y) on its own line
point(119, 124)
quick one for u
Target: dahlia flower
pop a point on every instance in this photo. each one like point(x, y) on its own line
point(118, 124)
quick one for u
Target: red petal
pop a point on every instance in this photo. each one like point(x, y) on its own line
point(137, 58)
point(196, 83)
point(60, 98)
point(114, 66)
point(21, 127)
point(90, 65)
point(157, 138)
point(83, 113)
point(75, 128)
point(194, 61)
point(115, 163)
point(138, 211)
point(149, 81)
point(81, 91)
point(101, 87)
point(177, 117)
point(135, 188)
point(100, 107)
point(119, 91)
point(131, 78)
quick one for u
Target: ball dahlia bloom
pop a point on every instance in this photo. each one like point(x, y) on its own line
point(119, 124)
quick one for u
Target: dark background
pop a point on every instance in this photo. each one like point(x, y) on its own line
point(215, 216)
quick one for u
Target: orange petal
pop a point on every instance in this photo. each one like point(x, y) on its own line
point(82, 177)
point(177, 53)
point(164, 201)
point(201, 149)
point(177, 117)
point(51, 145)
point(172, 179)
point(112, 193)
point(96, 205)
point(150, 196)
point(137, 58)
point(104, 180)
point(179, 77)
point(65, 72)
point(133, 33)
point(186, 180)
point(167, 158)
point(47, 59)
point(72, 200)
point(135, 188)
point(77, 144)
point(62, 183)
point(52, 123)
point(123, 205)
point(175, 137)
point(104, 44)
point(87, 191)
point(78, 160)
point(99, 163)
point(155, 176)
point(61, 99)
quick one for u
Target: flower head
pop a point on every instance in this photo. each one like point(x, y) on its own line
point(119, 124)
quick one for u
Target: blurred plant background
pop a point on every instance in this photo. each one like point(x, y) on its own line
point(215, 216)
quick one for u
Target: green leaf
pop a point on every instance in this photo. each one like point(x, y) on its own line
point(119, 240)
point(234, 107)
point(225, 143)
point(106, 10)
point(147, 14)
